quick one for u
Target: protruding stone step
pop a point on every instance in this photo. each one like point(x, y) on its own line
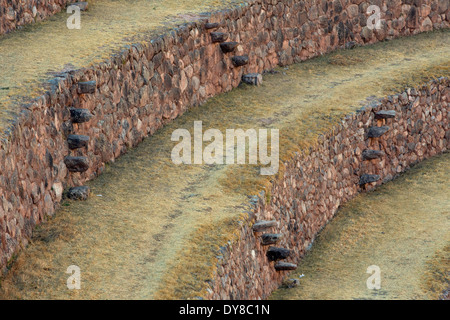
point(228, 46)
point(87, 87)
point(219, 36)
point(252, 79)
point(274, 253)
point(270, 238)
point(385, 114)
point(368, 178)
point(78, 193)
point(80, 115)
point(372, 154)
point(211, 25)
point(76, 164)
point(240, 61)
point(285, 266)
point(376, 132)
point(264, 224)
point(76, 141)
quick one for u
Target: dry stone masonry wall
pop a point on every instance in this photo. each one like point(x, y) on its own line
point(91, 116)
point(15, 13)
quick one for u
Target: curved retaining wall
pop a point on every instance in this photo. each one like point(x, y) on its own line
point(316, 184)
point(15, 13)
point(144, 86)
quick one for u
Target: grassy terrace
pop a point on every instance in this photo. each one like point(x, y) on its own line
point(400, 227)
point(30, 56)
point(151, 229)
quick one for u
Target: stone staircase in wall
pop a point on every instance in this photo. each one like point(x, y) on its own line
point(274, 254)
point(374, 134)
point(75, 142)
point(228, 47)
point(80, 115)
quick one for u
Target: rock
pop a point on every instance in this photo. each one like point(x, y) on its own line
point(76, 141)
point(35, 192)
point(67, 127)
point(211, 25)
point(252, 79)
point(337, 6)
point(10, 14)
point(263, 224)
point(353, 10)
point(87, 87)
point(48, 204)
point(57, 187)
point(443, 6)
point(411, 146)
point(385, 114)
point(350, 45)
point(76, 164)
point(239, 61)
point(427, 24)
point(219, 36)
point(275, 253)
point(228, 46)
point(368, 178)
point(80, 115)
point(9, 244)
point(366, 34)
point(28, 18)
point(285, 266)
point(83, 5)
point(270, 238)
point(412, 18)
point(376, 132)
point(78, 193)
point(372, 154)
point(313, 13)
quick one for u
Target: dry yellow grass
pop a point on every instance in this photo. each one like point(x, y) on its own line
point(436, 278)
point(341, 60)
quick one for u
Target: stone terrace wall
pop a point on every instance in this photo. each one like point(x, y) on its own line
point(14, 13)
point(316, 184)
point(139, 89)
